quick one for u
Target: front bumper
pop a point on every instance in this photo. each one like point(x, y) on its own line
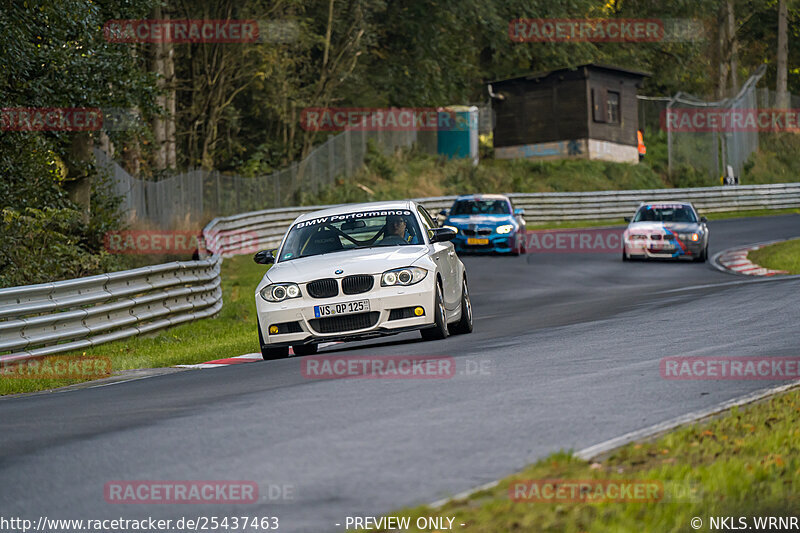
point(649, 249)
point(306, 328)
point(494, 243)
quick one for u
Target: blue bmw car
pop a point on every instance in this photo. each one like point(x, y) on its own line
point(486, 223)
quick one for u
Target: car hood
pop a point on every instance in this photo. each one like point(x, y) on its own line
point(485, 220)
point(660, 227)
point(364, 261)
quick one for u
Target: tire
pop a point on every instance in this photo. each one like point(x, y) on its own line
point(703, 256)
point(268, 353)
point(439, 330)
point(625, 256)
point(518, 248)
point(464, 324)
point(305, 349)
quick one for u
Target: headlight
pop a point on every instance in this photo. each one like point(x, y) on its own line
point(279, 292)
point(403, 276)
point(695, 237)
point(507, 228)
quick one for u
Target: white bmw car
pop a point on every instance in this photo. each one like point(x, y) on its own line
point(360, 271)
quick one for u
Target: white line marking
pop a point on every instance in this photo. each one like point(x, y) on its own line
point(603, 447)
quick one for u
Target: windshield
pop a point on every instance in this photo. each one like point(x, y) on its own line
point(671, 213)
point(348, 231)
point(481, 207)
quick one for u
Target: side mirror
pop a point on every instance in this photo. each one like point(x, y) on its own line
point(703, 220)
point(444, 212)
point(264, 257)
point(442, 234)
point(627, 219)
point(519, 211)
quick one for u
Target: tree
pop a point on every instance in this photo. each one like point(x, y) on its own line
point(782, 60)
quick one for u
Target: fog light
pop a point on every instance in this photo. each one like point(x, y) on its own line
point(695, 237)
point(419, 311)
point(273, 330)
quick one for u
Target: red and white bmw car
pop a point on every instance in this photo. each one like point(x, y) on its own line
point(666, 231)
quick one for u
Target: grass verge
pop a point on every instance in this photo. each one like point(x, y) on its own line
point(231, 333)
point(745, 463)
point(413, 174)
point(410, 174)
point(778, 256)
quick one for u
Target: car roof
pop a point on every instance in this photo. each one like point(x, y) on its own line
point(351, 208)
point(483, 197)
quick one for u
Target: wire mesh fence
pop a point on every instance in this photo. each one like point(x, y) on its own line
point(195, 196)
point(722, 143)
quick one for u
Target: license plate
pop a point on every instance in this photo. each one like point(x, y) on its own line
point(473, 240)
point(345, 308)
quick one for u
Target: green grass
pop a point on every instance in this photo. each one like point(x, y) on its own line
point(232, 332)
point(752, 213)
point(778, 256)
point(412, 174)
point(570, 224)
point(746, 463)
point(409, 174)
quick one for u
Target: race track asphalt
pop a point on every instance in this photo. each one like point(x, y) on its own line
point(565, 354)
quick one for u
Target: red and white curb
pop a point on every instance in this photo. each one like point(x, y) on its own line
point(240, 359)
point(735, 260)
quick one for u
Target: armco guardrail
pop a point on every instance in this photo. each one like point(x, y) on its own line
point(600, 205)
point(51, 318)
point(267, 227)
point(56, 317)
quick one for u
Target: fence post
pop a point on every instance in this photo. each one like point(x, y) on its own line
point(348, 153)
point(293, 188)
point(238, 194)
point(331, 156)
point(278, 196)
point(669, 134)
point(219, 197)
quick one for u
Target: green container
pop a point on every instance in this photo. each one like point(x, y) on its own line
point(457, 135)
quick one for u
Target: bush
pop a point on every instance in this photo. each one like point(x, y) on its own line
point(42, 245)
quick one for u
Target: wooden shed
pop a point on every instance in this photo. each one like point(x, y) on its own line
point(587, 112)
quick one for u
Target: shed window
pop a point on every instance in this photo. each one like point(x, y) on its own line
point(612, 107)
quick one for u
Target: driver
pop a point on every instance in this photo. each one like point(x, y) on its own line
point(395, 230)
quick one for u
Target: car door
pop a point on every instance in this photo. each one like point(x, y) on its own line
point(444, 254)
